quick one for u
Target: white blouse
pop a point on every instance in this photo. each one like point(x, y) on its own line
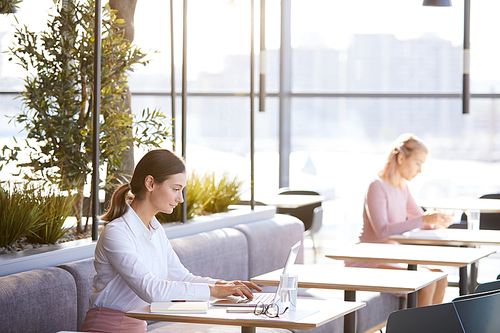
point(136, 266)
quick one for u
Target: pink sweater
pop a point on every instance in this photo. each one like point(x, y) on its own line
point(388, 211)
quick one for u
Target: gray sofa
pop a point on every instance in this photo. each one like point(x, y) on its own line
point(56, 298)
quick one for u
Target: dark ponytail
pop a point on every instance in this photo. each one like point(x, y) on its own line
point(118, 205)
point(158, 163)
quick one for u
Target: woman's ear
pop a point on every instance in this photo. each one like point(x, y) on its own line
point(400, 158)
point(149, 182)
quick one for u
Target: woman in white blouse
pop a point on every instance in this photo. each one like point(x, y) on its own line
point(134, 260)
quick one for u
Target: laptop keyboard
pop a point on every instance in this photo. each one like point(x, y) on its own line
point(266, 298)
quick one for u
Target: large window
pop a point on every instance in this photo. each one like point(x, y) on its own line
point(362, 73)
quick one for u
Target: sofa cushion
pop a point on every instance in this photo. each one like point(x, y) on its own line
point(269, 242)
point(334, 326)
point(219, 254)
point(83, 272)
point(377, 310)
point(378, 306)
point(40, 300)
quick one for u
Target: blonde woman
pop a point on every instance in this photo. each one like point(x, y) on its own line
point(134, 260)
point(390, 209)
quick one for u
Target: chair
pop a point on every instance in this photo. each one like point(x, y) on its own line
point(304, 213)
point(488, 286)
point(309, 214)
point(489, 221)
point(287, 191)
point(440, 318)
point(462, 224)
point(317, 222)
point(476, 313)
point(247, 202)
point(479, 312)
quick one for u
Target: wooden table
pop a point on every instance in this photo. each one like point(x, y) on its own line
point(352, 279)
point(482, 205)
point(458, 237)
point(453, 237)
point(310, 313)
point(413, 255)
point(292, 201)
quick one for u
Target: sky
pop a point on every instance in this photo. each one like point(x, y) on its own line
point(217, 29)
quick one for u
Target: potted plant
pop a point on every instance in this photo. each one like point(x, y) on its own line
point(58, 96)
point(32, 215)
point(206, 194)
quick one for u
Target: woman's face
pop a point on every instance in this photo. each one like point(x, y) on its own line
point(165, 196)
point(410, 167)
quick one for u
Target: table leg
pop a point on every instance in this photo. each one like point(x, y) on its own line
point(412, 298)
point(246, 329)
point(463, 285)
point(350, 319)
point(412, 267)
point(473, 277)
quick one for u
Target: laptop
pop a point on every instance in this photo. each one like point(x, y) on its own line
point(266, 298)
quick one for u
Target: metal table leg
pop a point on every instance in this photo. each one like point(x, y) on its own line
point(412, 298)
point(350, 319)
point(463, 284)
point(473, 277)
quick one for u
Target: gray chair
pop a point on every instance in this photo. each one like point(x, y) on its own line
point(476, 313)
point(440, 318)
point(317, 222)
point(247, 203)
point(488, 286)
point(304, 213)
point(311, 215)
point(489, 221)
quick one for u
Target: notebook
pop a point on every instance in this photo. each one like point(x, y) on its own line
point(262, 297)
point(179, 307)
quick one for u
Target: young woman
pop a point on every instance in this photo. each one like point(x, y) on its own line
point(390, 209)
point(134, 260)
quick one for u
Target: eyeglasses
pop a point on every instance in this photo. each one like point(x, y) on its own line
point(271, 310)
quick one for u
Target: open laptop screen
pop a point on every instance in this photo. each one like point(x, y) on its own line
point(264, 297)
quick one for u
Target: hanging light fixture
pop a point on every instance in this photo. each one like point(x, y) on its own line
point(466, 52)
point(437, 3)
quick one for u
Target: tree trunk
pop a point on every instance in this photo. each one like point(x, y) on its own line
point(78, 207)
point(125, 10)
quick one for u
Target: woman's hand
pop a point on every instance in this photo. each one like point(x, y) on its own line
point(436, 220)
point(233, 288)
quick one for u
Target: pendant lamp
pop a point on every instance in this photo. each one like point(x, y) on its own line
point(437, 3)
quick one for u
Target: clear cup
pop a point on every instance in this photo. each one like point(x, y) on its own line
point(288, 292)
point(472, 219)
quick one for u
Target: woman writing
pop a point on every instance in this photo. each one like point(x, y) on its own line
point(134, 260)
point(390, 209)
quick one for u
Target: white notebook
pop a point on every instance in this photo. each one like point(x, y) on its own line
point(179, 307)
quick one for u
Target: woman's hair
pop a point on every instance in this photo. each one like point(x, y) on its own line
point(161, 164)
point(406, 144)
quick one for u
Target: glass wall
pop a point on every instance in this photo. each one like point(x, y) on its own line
point(351, 61)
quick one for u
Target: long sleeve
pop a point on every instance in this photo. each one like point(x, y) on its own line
point(135, 270)
point(412, 209)
point(136, 266)
point(388, 211)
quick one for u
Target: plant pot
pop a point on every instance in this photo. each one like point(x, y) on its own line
point(53, 255)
